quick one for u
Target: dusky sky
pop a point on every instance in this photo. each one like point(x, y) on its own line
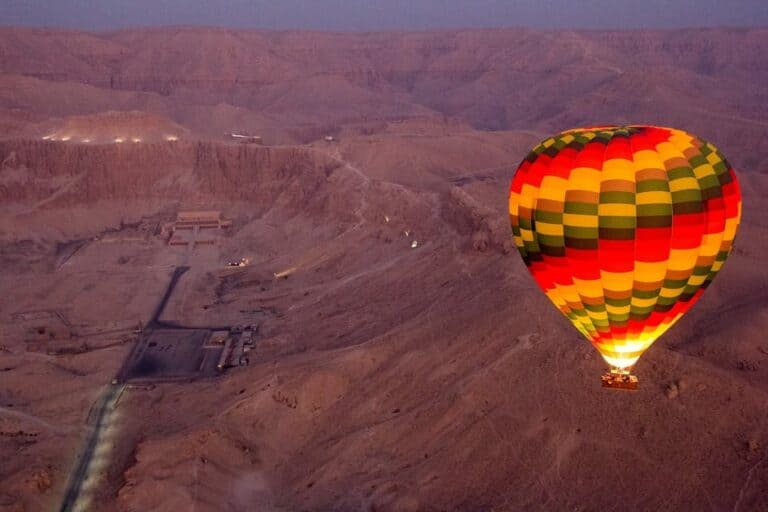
point(366, 15)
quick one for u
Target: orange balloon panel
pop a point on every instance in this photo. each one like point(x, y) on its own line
point(623, 228)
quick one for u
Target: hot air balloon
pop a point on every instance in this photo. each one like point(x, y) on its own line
point(624, 227)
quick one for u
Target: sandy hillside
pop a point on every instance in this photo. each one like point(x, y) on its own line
point(386, 375)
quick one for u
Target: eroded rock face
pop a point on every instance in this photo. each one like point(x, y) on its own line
point(232, 62)
point(386, 376)
point(294, 86)
point(79, 174)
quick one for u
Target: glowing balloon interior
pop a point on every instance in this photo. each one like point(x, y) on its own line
point(624, 228)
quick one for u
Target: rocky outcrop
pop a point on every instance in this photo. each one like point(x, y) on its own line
point(497, 79)
point(68, 174)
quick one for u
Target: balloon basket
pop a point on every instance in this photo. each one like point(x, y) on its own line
point(619, 379)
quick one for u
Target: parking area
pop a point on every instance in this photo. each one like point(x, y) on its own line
point(170, 354)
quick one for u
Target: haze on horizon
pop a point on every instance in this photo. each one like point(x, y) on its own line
point(366, 15)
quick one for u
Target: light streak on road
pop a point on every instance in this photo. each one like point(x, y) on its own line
point(94, 458)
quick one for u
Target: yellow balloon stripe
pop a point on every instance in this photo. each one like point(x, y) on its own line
point(623, 228)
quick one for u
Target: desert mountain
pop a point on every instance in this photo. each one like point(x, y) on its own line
point(404, 359)
point(295, 86)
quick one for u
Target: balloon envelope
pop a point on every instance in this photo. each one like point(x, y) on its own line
point(623, 228)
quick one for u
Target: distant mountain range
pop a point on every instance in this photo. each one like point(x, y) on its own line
point(295, 86)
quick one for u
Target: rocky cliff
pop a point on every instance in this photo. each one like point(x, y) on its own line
point(710, 81)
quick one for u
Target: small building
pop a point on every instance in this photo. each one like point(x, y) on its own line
point(198, 218)
point(195, 227)
point(225, 355)
point(244, 138)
